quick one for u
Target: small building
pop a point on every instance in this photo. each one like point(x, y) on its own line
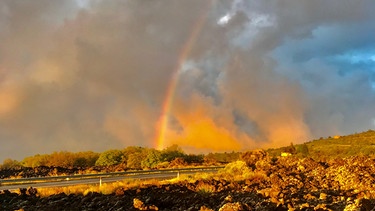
point(285, 154)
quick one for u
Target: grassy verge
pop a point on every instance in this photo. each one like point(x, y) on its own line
point(235, 171)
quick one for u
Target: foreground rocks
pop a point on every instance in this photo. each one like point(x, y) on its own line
point(283, 184)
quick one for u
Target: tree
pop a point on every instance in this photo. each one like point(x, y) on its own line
point(153, 158)
point(222, 157)
point(131, 150)
point(171, 153)
point(291, 149)
point(191, 158)
point(61, 159)
point(85, 159)
point(10, 164)
point(36, 160)
point(303, 150)
point(110, 157)
point(135, 160)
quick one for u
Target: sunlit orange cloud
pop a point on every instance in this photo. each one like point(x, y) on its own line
point(203, 134)
point(198, 127)
point(204, 125)
point(284, 133)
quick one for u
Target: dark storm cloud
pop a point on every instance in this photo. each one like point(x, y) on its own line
point(92, 76)
point(338, 90)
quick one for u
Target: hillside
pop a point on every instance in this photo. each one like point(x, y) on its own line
point(332, 147)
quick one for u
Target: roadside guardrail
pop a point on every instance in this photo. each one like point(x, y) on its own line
point(33, 180)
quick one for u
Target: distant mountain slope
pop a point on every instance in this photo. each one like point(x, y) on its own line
point(332, 147)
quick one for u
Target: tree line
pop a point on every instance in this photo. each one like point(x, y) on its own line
point(132, 157)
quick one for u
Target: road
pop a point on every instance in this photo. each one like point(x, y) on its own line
point(68, 182)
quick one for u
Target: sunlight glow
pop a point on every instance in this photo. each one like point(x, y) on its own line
point(224, 20)
point(204, 134)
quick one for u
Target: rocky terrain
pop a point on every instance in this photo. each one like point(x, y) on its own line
point(273, 184)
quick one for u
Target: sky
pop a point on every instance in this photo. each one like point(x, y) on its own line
point(208, 75)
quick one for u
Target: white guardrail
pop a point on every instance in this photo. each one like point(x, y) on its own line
point(32, 180)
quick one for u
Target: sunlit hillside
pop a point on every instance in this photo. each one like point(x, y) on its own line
point(333, 147)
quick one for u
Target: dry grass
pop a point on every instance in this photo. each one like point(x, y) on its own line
point(75, 189)
point(190, 178)
point(205, 189)
point(232, 172)
point(106, 188)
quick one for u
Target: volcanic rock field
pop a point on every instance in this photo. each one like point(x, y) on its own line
point(286, 183)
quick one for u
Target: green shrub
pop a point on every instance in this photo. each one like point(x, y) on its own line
point(110, 157)
point(236, 171)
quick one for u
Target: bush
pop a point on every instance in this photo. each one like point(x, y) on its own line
point(171, 153)
point(135, 160)
point(152, 160)
point(110, 157)
point(236, 170)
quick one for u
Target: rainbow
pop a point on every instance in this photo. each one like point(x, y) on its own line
point(186, 49)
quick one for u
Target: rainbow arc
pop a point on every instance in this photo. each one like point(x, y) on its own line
point(184, 54)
